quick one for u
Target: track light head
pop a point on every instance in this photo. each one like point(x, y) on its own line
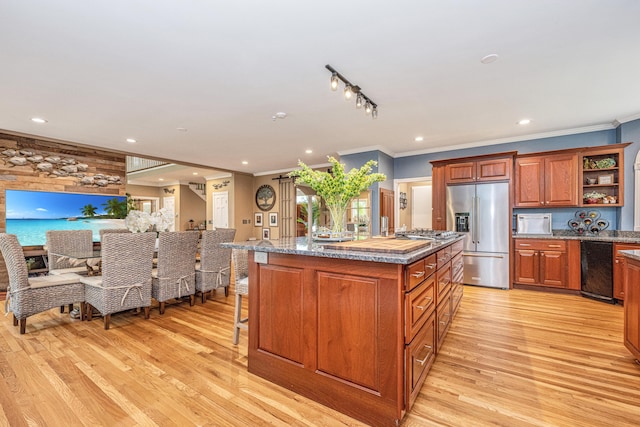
point(359, 101)
point(334, 81)
point(367, 107)
point(348, 92)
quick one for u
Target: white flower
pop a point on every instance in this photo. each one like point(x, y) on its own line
point(161, 219)
point(138, 221)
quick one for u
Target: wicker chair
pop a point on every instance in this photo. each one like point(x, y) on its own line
point(175, 275)
point(67, 241)
point(104, 231)
point(26, 295)
point(215, 261)
point(241, 277)
point(127, 261)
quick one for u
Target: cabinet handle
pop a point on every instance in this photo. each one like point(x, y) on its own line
point(524, 244)
point(431, 266)
point(445, 283)
point(541, 253)
point(554, 246)
point(422, 361)
point(422, 307)
point(418, 274)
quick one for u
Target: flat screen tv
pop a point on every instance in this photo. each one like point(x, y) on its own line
point(30, 214)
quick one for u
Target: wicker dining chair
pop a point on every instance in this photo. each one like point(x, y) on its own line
point(26, 295)
point(127, 261)
point(104, 231)
point(175, 275)
point(67, 241)
point(241, 281)
point(214, 270)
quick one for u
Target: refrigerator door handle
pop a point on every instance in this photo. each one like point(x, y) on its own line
point(477, 213)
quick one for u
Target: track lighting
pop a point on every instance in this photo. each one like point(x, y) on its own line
point(370, 107)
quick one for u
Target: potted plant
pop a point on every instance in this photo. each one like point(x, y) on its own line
point(337, 188)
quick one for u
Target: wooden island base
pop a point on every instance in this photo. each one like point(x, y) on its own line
point(334, 330)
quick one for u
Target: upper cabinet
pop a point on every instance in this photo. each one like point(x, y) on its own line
point(546, 181)
point(602, 176)
point(570, 178)
point(497, 169)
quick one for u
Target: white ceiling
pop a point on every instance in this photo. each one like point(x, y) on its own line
point(101, 72)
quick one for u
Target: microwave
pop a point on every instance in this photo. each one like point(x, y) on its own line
point(533, 223)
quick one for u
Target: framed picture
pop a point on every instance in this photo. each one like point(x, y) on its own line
point(257, 219)
point(266, 233)
point(273, 219)
point(605, 179)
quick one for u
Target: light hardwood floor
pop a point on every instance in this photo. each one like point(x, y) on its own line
point(511, 358)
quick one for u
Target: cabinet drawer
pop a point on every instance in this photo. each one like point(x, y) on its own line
point(419, 305)
point(457, 291)
point(419, 357)
point(443, 256)
point(541, 244)
point(457, 247)
point(419, 271)
point(443, 313)
point(443, 281)
point(457, 268)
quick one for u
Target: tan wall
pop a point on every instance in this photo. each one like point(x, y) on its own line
point(27, 177)
point(242, 196)
point(192, 207)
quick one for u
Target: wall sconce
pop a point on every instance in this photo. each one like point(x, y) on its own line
point(351, 90)
point(403, 200)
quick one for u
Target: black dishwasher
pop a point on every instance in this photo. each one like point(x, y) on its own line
point(596, 259)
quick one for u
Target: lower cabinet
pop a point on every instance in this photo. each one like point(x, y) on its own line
point(618, 268)
point(541, 262)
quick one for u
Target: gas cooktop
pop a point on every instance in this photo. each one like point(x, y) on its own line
point(426, 233)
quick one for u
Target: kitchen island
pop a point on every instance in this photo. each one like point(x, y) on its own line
point(354, 328)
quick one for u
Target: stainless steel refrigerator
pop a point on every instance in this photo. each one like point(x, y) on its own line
point(481, 213)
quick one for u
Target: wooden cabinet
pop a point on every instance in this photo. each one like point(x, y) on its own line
point(438, 199)
point(546, 181)
point(496, 169)
point(619, 268)
point(632, 307)
point(541, 262)
point(602, 176)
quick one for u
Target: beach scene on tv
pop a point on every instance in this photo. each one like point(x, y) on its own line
point(29, 214)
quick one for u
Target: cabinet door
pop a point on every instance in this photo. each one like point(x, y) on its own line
point(529, 188)
point(553, 268)
point(561, 180)
point(494, 169)
point(632, 308)
point(438, 199)
point(618, 268)
point(527, 267)
point(456, 173)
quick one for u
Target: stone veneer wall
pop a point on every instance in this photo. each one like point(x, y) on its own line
point(28, 163)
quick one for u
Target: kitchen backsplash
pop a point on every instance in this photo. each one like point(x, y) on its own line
point(562, 216)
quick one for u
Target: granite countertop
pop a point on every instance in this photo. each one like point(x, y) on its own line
point(635, 255)
point(603, 236)
point(302, 246)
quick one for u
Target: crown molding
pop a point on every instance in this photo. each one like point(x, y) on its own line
point(618, 122)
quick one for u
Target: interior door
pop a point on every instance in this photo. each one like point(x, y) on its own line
point(221, 209)
point(387, 207)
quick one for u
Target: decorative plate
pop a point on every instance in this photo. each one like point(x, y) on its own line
point(265, 197)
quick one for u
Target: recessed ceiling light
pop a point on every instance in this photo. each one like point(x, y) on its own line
point(244, 162)
point(524, 122)
point(489, 58)
point(195, 173)
point(181, 129)
point(308, 151)
point(38, 120)
point(131, 140)
point(418, 139)
point(160, 179)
